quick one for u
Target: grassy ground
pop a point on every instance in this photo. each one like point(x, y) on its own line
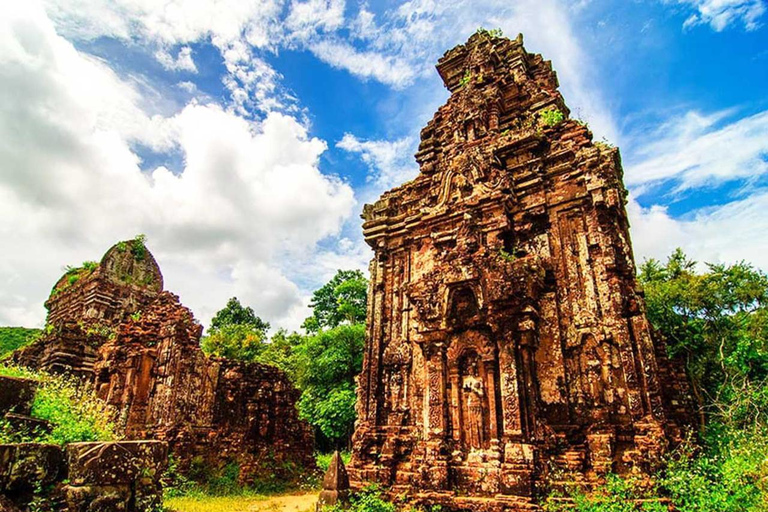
point(304, 502)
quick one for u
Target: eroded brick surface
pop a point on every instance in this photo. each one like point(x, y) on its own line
point(507, 336)
point(116, 328)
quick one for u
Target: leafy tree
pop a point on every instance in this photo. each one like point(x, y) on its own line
point(280, 352)
point(235, 313)
point(327, 364)
point(240, 342)
point(236, 333)
point(717, 321)
point(342, 300)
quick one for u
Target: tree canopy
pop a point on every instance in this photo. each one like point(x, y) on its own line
point(342, 300)
point(717, 321)
point(235, 313)
point(236, 333)
point(331, 356)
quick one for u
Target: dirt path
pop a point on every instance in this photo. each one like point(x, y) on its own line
point(290, 503)
point(304, 502)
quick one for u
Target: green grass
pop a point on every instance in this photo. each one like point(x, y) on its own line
point(206, 503)
point(75, 413)
point(13, 338)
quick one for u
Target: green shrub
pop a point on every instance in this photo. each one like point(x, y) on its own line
point(551, 117)
point(75, 413)
point(730, 475)
point(617, 494)
point(368, 500)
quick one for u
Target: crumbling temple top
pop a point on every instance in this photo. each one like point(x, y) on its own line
point(507, 341)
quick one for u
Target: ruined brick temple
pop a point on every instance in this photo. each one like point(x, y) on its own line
point(112, 324)
point(507, 344)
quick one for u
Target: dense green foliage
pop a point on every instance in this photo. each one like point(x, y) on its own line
point(75, 414)
point(235, 313)
point(616, 495)
point(330, 357)
point(327, 365)
point(551, 117)
point(718, 322)
point(12, 338)
point(236, 333)
point(323, 364)
point(342, 300)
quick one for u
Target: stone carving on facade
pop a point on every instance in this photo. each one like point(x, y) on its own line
point(505, 319)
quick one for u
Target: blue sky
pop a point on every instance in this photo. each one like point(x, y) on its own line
point(244, 136)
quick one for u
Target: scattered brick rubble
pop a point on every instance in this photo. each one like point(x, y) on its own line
point(115, 327)
point(507, 347)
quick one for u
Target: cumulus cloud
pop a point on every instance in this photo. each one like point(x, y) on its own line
point(697, 150)
point(737, 231)
point(398, 48)
point(250, 197)
point(182, 62)
point(720, 14)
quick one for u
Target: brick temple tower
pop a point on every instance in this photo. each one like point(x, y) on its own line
point(506, 332)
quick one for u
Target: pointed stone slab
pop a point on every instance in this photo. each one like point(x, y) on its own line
point(335, 484)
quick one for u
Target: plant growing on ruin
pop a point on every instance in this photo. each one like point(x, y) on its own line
point(494, 32)
point(551, 117)
point(465, 79)
point(75, 413)
point(506, 256)
point(139, 247)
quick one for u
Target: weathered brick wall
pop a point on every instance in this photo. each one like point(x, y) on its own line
point(164, 387)
point(506, 333)
point(115, 326)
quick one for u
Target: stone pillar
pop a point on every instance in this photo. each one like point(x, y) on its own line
point(493, 418)
point(436, 472)
point(455, 405)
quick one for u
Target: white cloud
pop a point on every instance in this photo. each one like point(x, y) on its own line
point(387, 69)
point(416, 33)
point(720, 14)
point(699, 150)
point(182, 62)
point(250, 196)
point(306, 19)
point(391, 163)
point(724, 234)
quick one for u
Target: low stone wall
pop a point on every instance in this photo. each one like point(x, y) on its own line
point(83, 477)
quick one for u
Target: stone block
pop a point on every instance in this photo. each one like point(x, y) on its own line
point(25, 465)
point(16, 395)
point(115, 463)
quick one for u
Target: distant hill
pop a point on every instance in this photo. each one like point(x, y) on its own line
point(12, 338)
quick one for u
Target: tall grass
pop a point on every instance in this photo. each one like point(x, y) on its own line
point(71, 407)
